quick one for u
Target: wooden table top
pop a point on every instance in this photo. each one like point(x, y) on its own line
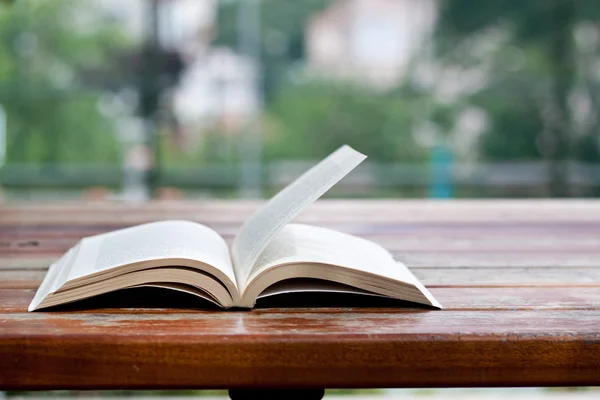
point(520, 282)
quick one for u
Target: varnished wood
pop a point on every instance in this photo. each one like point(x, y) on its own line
point(520, 281)
point(30, 278)
point(300, 349)
point(454, 298)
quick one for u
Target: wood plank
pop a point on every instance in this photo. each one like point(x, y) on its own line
point(21, 279)
point(394, 241)
point(277, 323)
point(433, 258)
point(300, 349)
point(584, 211)
point(385, 229)
point(25, 261)
point(431, 277)
point(409, 206)
point(501, 277)
point(500, 259)
point(453, 299)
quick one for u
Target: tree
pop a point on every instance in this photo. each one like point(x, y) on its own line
point(52, 117)
point(312, 119)
point(548, 26)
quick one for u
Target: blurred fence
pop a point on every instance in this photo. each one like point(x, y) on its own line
point(369, 180)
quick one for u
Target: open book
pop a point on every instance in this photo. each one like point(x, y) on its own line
point(269, 255)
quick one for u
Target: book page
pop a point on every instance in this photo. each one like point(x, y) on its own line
point(297, 244)
point(164, 240)
point(256, 232)
point(304, 251)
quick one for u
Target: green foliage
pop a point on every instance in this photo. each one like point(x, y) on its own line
point(212, 147)
point(529, 101)
point(514, 128)
point(52, 118)
point(312, 119)
point(514, 100)
point(66, 131)
point(528, 20)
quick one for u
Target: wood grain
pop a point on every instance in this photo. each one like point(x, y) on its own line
point(429, 276)
point(520, 281)
point(453, 299)
point(314, 349)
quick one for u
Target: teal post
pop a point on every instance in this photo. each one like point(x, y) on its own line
point(441, 173)
point(3, 135)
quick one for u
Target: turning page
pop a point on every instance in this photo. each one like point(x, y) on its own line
point(258, 230)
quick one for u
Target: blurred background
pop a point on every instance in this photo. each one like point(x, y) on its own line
point(144, 99)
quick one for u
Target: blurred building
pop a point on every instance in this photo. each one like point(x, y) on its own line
point(217, 91)
point(184, 25)
point(217, 88)
point(371, 41)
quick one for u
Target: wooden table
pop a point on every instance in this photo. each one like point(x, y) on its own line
point(520, 281)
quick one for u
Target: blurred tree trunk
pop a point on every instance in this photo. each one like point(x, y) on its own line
point(150, 92)
point(561, 52)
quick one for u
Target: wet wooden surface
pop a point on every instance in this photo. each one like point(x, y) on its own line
point(520, 281)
